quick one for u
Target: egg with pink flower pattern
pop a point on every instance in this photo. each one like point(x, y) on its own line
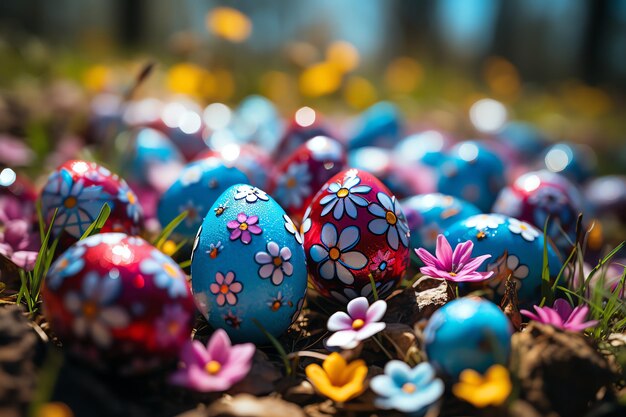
point(248, 268)
point(354, 229)
point(118, 303)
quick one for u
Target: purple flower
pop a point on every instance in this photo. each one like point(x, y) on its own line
point(11, 208)
point(457, 266)
point(361, 322)
point(243, 226)
point(216, 367)
point(562, 316)
point(17, 244)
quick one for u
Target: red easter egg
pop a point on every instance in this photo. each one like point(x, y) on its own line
point(305, 171)
point(355, 228)
point(118, 303)
point(79, 189)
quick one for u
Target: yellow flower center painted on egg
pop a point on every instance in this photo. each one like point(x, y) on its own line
point(357, 324)
point(391, 218)
point(243, 226)
point(70, 202)
point(90, 309)
point(130, 196)
point(343, 192)
point(276, 305)
point(278, 261)
point(212, 367)
point(224, 289)
point(334, 254)
point(169, 269)
point(291, 182)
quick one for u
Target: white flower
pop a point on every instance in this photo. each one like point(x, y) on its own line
point(167, 274)
point(343, 197)
point(334, 257)
point(294, 186)
point(250, 193)
point(527, 231)
point(133, 209)
point(390, 220)
point(291, 228)
point(505, 266)
point(92, 308)
point(485, 221)
point(306, 222)
point(274, 263)
point(191, 175)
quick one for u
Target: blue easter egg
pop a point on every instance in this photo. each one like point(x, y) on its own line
point(524, 139)
point(467, 333)
point(424, 147)
point(151, 150)
point(516, 249)
point(196, 189)
point(472, 173)
point(380, 125)
point(437, 213)
point(577, 162)
point(248, 264)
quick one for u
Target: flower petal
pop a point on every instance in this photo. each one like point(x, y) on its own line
point(339, 321)
point(376, 311)
point(357, 308)
point(344, 339)
point(444, 251)
point(370, 330)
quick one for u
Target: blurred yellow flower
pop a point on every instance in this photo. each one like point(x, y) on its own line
point(359, 92)
point(169, 247)
point(343, 54)
point(320, 79)
point(54, 409)
point(190, 79)
point(229, 23)
point(403, 75)
point(481, 391)
point(97, 78)
point(337, 379)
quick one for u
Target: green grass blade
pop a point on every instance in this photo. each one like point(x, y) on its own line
point(98, 224)
point(374, 290)
point(167, 230)
point(547, 294)
point(279, 348)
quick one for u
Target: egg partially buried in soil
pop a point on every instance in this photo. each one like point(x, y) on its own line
point(79, 189)
point(355, 228)
point(196, 189)
point(467, 333)
point(434, 213)
point(248, 265)
point(118, 303)
point(516, 250)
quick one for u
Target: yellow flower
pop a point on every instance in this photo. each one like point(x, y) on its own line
point(491, 389)
point(338, 380)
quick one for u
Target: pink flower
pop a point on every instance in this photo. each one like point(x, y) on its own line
point(243, 226)
point(457, 266)
point(361, 322)
point(225, 288)
point(381, 262)
point(215, 368)
point(17, 244)
point(562, 316)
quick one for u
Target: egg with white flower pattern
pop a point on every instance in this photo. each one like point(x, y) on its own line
point(195, 191)
point(516, 250)
point(118, 303)
point(248, 267)
point(78, 190)
point(355, 229)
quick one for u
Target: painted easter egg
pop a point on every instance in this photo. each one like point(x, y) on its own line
point(536, 196)
point(196, 189)
point(152, 152)
point(524, 139)
point(607, 196)
point(118, 303)
point(355, 228)
point(302, 174)
point(516, 250)
point(248, 267)
point(379, 125)
point(472, 173)
point(437, 212)
point(78, 190)
point(295, 135)
point(467, 333)
point(425, 148)
point(576, 162)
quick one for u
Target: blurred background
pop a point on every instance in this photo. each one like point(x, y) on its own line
point(559, 64)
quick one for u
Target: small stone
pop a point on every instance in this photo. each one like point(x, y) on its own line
point(245, 405)
point(418, 302)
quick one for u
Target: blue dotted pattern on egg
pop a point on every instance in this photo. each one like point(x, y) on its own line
point(472, 173)
point(438, 212)
point(219, 249)
point(516, 249)
point(196, 189)
point(467, 333)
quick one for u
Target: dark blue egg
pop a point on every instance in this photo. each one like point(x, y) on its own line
point(472, 173)
point(524, 139)
point(467, 333)
point(379, 125)
point(248, 264)
point(438, 212)
point(516, 250)
point(577, 162)
point(151, 149)
point(425, 148)
point(196, 189)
